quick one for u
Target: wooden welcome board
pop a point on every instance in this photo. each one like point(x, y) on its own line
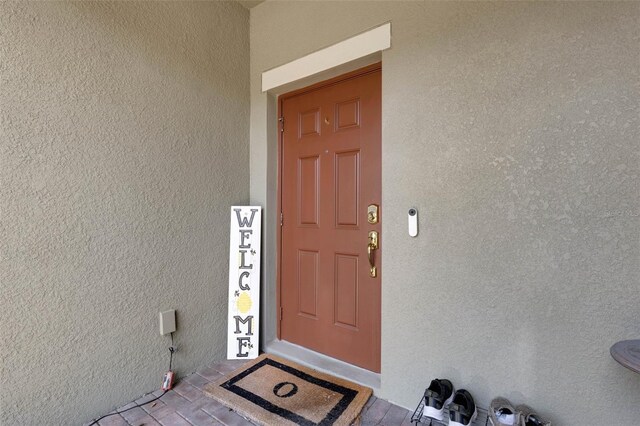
point(244, 282)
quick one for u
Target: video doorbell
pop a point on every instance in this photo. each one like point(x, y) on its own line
point(413, 222)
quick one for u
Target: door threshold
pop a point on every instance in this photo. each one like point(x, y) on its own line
point(323, 363)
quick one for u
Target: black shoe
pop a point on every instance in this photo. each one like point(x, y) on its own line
point(438, 395)
point(462, 411)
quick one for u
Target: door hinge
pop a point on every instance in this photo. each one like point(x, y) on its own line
point(281, 311)
point(281, 218)
point(281, 120)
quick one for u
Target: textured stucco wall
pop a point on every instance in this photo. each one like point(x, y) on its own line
point(123, 142)
point(516, 125)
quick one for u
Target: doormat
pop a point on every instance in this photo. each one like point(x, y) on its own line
point(273, 391)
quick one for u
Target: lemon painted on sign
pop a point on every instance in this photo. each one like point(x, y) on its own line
point(244, 302)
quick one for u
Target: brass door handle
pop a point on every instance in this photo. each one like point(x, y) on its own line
point(371, 246)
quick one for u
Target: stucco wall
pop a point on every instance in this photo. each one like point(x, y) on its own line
point(516, 128)
point(123, 142)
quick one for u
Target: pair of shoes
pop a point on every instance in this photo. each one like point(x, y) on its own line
point(440, 394)
point(502, 413)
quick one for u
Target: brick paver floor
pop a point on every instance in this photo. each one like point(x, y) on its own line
point(187, 405)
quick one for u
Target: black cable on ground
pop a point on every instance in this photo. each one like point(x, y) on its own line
point(95, 422)
point(171, 351)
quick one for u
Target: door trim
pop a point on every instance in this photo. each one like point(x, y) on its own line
point(339, 79)
point(366, 43)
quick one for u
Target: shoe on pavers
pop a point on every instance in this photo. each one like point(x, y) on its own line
point(438, 395)
point(529, 418)
point(462, 410)
point(502, 413)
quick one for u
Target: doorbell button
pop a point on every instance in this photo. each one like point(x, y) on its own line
point(413, 222)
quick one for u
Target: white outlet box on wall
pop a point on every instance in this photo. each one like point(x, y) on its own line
point(167, 322)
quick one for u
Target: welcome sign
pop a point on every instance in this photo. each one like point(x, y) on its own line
point(244, 282)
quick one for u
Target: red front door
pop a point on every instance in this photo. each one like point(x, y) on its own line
point(331, 175)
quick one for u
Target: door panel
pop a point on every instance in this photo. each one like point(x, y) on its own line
point(308, 190)
point(307, 282)
point(330, 171)
point(347, 178)
point(346, 290)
